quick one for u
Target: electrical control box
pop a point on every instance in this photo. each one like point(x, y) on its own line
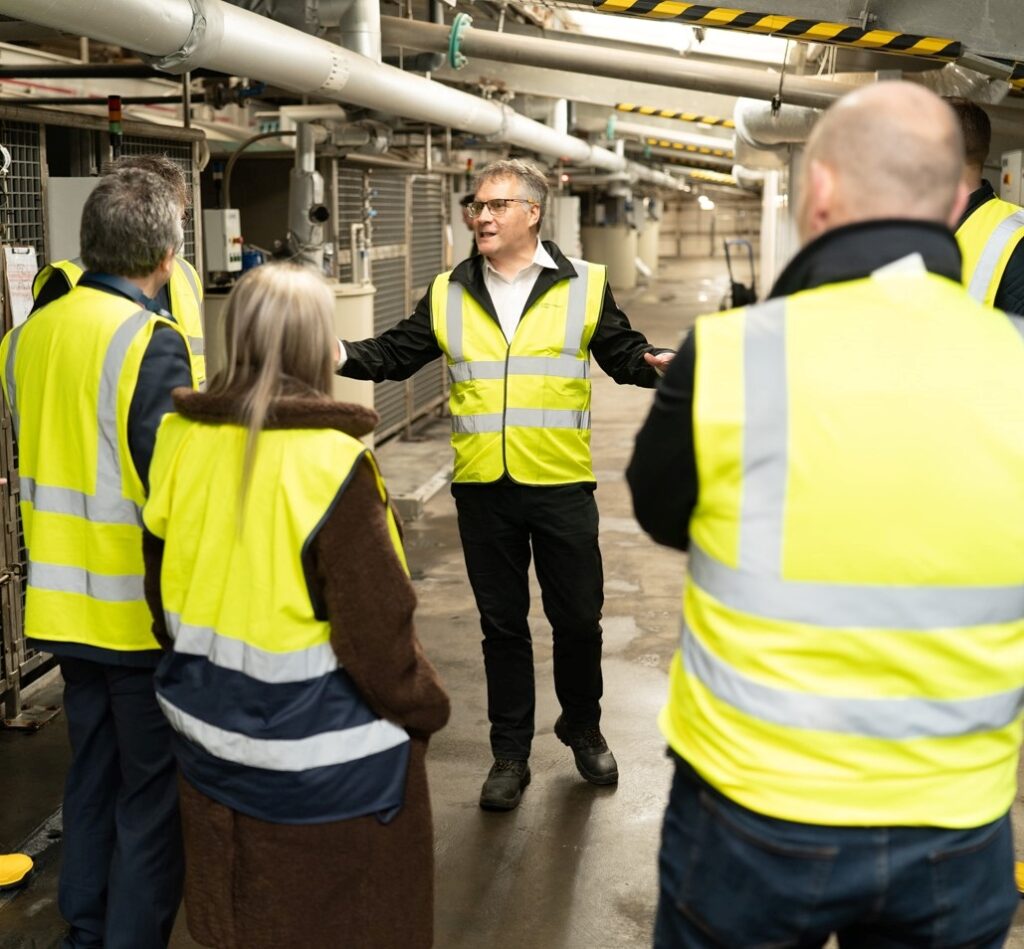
point(222, 239)
point(1010, 188)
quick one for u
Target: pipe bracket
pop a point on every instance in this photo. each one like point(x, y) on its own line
point(180, 61)
point(455, 58)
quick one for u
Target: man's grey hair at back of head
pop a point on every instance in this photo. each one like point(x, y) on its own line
point(159, 165)
point(129, 223)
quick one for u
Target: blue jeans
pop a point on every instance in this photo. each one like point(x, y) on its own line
point(733, 878)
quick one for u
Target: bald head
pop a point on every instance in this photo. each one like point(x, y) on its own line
point(889, 150)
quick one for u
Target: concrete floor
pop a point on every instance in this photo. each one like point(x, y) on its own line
point(575, 866)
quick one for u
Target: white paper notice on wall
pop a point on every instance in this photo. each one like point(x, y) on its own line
point(21, 270)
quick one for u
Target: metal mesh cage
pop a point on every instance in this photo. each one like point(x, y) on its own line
point(181, 154)
point(404, 216)
point(23, 202)
point(21, 217)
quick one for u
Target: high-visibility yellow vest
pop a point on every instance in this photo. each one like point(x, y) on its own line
point(521, 407)
point(184, 290)
point(271, 725)
point(853, 621)
point(987, 240)
point(69, 374)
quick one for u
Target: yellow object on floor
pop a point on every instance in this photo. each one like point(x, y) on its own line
point(14, 867)
point(1018, 876)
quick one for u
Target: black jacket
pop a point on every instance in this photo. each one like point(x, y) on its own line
point(662, 473)
point(409, 346)
point(1010, 295)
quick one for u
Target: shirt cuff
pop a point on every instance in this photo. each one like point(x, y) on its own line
point(342, 358)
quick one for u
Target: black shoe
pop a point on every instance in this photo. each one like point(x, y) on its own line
point(503, 788)
point(593, 759)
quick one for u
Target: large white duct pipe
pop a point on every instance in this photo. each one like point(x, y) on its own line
point(186, 34)
point(360, 28)
point(617, 64)
point(758, 126)
point(639, 130)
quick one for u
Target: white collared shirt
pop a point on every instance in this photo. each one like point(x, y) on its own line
point(509, 295)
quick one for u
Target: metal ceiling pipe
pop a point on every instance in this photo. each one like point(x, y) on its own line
point(638, 130)
point(657, 151)
point(181, 35)
point(360, 28)
point(93, 71)
point(599, 61)
point(760, 127)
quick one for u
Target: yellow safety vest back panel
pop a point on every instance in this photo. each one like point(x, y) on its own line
point(69, 374)
point(987, 239)
point(853, 622)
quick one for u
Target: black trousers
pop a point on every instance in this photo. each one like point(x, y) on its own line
point(500, 524)
point(121, 879)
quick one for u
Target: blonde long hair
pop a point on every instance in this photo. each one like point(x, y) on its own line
point(278, 330)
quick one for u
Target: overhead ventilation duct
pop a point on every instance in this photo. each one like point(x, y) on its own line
point(179, 35)
point(760, 126)
point(617, 64)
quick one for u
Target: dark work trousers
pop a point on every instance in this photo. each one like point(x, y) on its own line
point(121, 880)
point(499, 524)
point(733, 878)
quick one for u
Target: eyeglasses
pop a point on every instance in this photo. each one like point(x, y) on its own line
point(497, 206)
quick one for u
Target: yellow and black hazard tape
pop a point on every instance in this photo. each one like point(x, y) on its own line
point(682, 116)
point(811, 31)
point(692, 149)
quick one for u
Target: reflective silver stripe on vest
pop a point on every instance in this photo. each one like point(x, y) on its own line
point(12, 387)
point(990, 256)
point(477, 424)
point(548, 418)
point(576, 318)
point(107, 505)
point(559, 367)
point(453, 319)
point(300, 754)
point(193, 286)
point(756, 586)
point(108, 456)
point(102, 508)
point(889, 718)
point(299, 665)
point(852, 606)
point(196, 346)
point(64, 579)
point(764, 437)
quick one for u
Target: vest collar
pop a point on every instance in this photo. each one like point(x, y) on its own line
point(978, 197)
point(470, 273)
point(858, 250)
point(300, 407)
point(110, 283)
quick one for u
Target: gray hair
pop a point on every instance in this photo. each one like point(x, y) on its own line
point(129, 223)
point(534, 183)
point(160, 165)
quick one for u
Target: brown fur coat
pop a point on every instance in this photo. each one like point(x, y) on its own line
point(356, 883)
